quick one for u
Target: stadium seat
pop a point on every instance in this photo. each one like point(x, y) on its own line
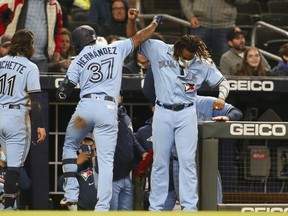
point(276, 19)
point(277, 6)
point(79, 15)
point(245, 22)
point(252, 7)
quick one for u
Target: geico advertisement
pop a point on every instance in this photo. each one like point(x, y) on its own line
point(235, 85)
point(264, 209)
point(251, 85)
point(258, 129)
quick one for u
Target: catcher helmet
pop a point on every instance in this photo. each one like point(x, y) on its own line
point(82, 36)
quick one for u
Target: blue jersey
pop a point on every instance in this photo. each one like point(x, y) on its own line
point(204, 108)
point(18, 76)
point(94, 68)
point(173, 85)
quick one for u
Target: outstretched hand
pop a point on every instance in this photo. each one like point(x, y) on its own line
point(133, 14)
point(158, 19)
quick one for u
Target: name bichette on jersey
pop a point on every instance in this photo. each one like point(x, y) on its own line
point(11, 65)
point(96, 54)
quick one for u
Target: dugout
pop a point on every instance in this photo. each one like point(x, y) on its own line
point(252, 95)
point(260, 173)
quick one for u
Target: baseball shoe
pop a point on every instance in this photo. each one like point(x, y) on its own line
point(64, 201)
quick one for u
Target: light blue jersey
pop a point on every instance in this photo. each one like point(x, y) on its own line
point(204, 108)
point(167, 72)
point(175, 120)
point(18, 77)
point(95, 68)
point(98, 70)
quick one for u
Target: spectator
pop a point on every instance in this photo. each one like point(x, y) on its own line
point(43, 19)
point(66, 6)
point(212, 19)
point(87, 190)
point(282, 68)
point(100, 12)
point(251, 64)
point(234, 56)
point(5, 42)
point(67, 52)
point(116, 25)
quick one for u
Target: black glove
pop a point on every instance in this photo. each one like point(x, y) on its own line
point(158, 18)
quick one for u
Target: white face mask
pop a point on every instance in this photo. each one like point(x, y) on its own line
point(3, 157)
point(184, 63)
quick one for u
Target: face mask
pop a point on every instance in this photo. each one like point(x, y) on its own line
point(184, 63)
point(3, 157)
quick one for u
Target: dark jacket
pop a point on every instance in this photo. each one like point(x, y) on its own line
point(87, 191)
point(127, 146)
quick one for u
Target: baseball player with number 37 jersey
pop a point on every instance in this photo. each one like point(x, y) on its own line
point(98, 70)
point(19, 92)
point(178, 70)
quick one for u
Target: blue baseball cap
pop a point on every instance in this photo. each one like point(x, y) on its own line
point(90, 137)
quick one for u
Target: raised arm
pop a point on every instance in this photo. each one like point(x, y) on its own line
point(139, 37)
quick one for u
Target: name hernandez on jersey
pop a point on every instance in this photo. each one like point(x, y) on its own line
point(96, 54)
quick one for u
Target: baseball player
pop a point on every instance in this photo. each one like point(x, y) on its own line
point(19, 92)
point(98, 70)
point(179, 70)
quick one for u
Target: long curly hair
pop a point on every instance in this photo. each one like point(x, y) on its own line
point(244, 69)
point(22, 44)
point(194, 44)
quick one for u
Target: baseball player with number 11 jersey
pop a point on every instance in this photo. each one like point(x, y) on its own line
point(19, 92)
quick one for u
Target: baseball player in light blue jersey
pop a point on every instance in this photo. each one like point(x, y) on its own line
point(98, 70)
point(19, 92)
point(178, 70)
point(205, 112)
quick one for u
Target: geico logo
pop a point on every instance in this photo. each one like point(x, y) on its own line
point(251, 85)
point(238, 129)
point(58, 81)
point(264, 209)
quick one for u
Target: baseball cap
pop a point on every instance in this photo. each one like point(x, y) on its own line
point(232, 34)
point(5, 40)
point(90, 137)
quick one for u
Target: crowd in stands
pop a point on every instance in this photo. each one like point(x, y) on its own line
point(214, 21)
